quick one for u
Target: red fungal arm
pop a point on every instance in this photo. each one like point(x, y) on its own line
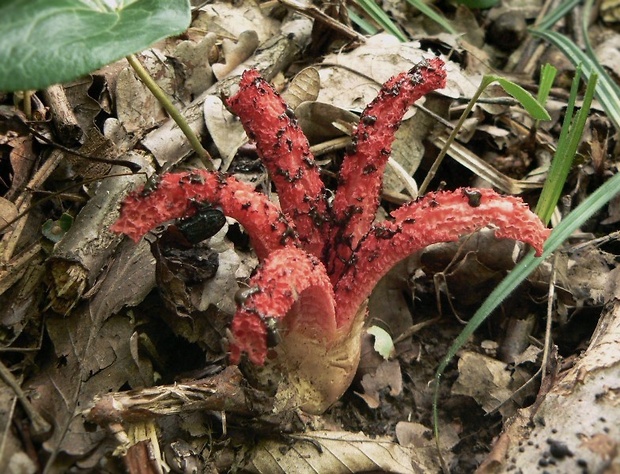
point(286, 154)
point(439, 217)
point(361, 175)
point(176, 194)
point(294, 291)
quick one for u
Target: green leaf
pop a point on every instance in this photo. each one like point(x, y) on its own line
point(384, 345)
point(482, 4)
point(55, 230)
point(547, 76)
point(527, 100)
point(570, 137)
point(45, 42)
point(374, 11)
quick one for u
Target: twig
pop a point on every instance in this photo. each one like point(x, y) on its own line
point(63, 117)
point(222, 392)
point(127, 164)
point(313, 12)
point(174, 113)
point(39, 425)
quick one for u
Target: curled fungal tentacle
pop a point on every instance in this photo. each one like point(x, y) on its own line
point(361, 174)
point(285, 152)
point(438, 217)
point(177, 193)
point(292, 286)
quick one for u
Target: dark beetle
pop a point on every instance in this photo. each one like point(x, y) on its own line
point(204, 224)
point(242, 294)
point(473, 196)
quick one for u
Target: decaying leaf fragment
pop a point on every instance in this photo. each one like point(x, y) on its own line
point(331, 451)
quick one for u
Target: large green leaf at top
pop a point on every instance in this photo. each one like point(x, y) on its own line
point(45, 42)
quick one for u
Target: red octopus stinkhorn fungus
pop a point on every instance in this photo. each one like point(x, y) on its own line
point(320, 262)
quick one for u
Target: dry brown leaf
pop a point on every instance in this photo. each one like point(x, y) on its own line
point(22, 289)
point(424, 449)
point(195, 58)
point(530, 354)
point(351, 80)
point(136, 107)
point(321, 121)
point(225, 130)
point(387, 375)
point(22, 159)
point(235, 53)
point(489, 382)
point(8, 212)
point(219, 291)
point(608, 54)
point(92, 353)
point(330, 451)
point(586, 275)
point(232, 19)
point(304, 87)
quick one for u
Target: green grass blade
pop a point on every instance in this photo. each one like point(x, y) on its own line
point(433, 15)
point(572, 130)
point(607, 91)
point(478, 4)
point(570, 107)
point(585, 21)
point(527, 100)
point(564, 156)
point(547, 76)
point(557, 14)
point(522, 270)
point(361, 22)
point(374, 11)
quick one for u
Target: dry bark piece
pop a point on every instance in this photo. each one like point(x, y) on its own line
point(86, 248)
point(67, 127)
point(574, 426)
